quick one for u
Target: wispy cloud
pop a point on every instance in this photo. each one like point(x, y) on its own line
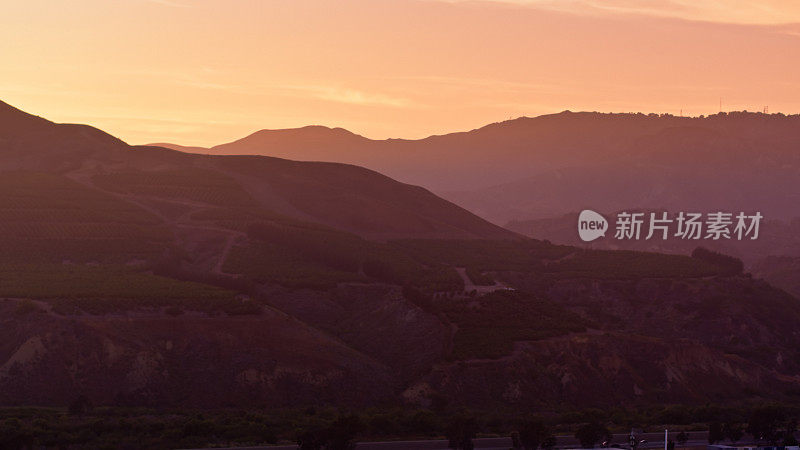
point(347, 95)
point(488, 84)
point(207, 78)
point(754, 12)
point(172, 3)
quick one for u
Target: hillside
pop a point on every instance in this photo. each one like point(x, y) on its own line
point(339, 195)
point(144, 276)
point(533, 175)
point(603, 161)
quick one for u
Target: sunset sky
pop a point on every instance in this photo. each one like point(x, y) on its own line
point(204, 72)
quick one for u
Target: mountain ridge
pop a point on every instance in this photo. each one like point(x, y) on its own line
point(144, 276)
point(44, 145)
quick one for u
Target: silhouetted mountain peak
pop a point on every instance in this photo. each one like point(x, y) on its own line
point(307, 133)
point(16, 121)
point(310, 143)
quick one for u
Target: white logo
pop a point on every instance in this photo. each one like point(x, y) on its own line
point(591, 225)
point(636, 226)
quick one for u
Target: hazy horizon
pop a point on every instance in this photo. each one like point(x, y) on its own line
point(443, 133)
point(207, 71)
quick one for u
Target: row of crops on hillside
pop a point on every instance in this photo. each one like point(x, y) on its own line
point(50, 218)
point(191, 184)
point(109, 288)
point(319, 258)
point(36, 197)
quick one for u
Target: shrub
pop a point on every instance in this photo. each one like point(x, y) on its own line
point(728, 265)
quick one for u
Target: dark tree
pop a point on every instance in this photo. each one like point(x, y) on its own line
point(591, 433)
point(461, 432)
point(791, 429)
point(549, 443)
point(342, 433)
point(516, 442)
point(764, 422)
point(728, 265)
point(715, 433)
point(80, 406)
point(311, 440)
point(732, 432)
point(534, 433)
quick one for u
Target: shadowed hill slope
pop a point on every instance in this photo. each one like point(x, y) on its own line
point(555, 164)
point(152, 277)
point(347, 197)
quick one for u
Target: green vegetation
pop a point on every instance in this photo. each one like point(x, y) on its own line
point(483, 255)
point(629, 264)
point(780, 271)
point(318, 258)
point(489, 325)
point(479, 278)
point(83, 426)
point(49, 218)
point(461, 431)
point(102, 289)
point(242, 218)
point(110, 251)
point(535, 433)
point(27, 197)
point(591, 434)
point(728, 265)
point(192, 184)
point(273, 263)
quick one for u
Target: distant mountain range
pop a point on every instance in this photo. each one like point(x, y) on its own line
point(141, 275)
point(533, 175)
point(546, 166)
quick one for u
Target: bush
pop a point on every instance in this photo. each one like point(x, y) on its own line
point(461, 432)
point(728, 264)
point(26, 307)
point(478, 278)
point(515, 316)
point(591, 434)
point(534, 433)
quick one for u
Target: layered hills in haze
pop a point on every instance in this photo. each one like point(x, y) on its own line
point(340, 195)
point(546, 166)
point(533, 175)
point(141, 275)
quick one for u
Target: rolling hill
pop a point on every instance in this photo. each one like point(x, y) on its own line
point(346, 197)
point(546, 166)
point(145, 276)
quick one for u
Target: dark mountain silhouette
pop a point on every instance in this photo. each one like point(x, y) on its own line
point(346, 197)
point(555, 164)
point(315, 143)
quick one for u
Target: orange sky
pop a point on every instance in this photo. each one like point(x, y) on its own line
point(203, 72)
